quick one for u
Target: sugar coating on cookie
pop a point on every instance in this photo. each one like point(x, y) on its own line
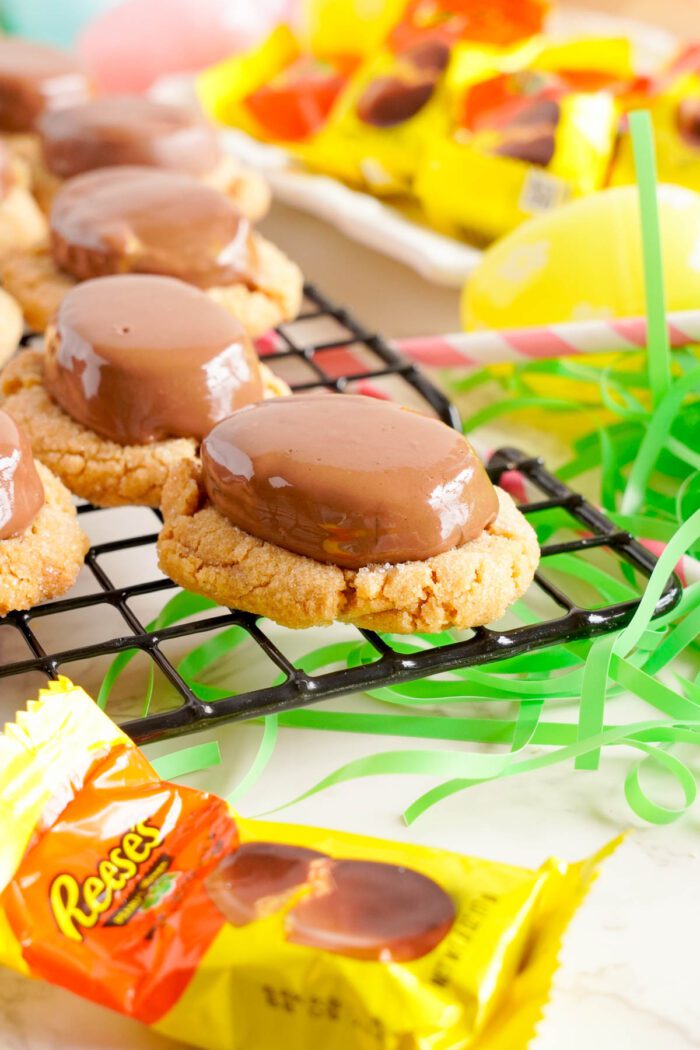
point(465, 587)
point(43, 562)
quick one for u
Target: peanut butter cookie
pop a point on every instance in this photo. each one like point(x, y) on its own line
point(143, 220)
point(118, 130)
point(21, 223)
point(245, 187)
point(473, 584)
point(43, 562)
point(11, 325)
point(39, 286)
point(248, 190)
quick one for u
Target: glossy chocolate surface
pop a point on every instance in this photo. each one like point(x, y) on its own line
point(35, 78)
point(390, 100)
point(140, 359)
point(400, 94)
point(374, 911)
point(127, 129)
point(362, 909)
point(347, 479)
point(688, 120)
point(21, 491)
point(530, 134)
point(143, 220)
point(259, 877)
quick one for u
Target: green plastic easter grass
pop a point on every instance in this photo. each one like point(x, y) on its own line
point(658, 356)
point(188, 760)
point(636, 418)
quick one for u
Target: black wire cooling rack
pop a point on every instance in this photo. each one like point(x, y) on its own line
point(346, 358)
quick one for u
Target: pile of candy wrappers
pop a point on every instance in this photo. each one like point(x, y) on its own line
point(468, 113)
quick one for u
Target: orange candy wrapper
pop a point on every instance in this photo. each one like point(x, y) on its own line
point(278, 92)
point(498, 22)
point(158, 901)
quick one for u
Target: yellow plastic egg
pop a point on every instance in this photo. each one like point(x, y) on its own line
point(584, 261)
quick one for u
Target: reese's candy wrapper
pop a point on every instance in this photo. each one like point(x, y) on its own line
point(525, 139)
point(393, 104)
point(158, 901)
point(673, 99)
point(400, 99)
point(499, 22)
point(328, 25)
point(277, 92)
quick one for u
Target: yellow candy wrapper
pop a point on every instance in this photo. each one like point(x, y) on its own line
point(278, 92)
point(158, 901)
point(222, 88)
point(327, 26)
point(536, 134)
point(391, 107)
point(673, 98)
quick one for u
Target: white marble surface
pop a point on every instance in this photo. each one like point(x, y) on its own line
point(627, 977)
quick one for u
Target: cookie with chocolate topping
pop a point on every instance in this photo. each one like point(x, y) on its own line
point(134, 372)
point(34, 78)
point(42, 547)
point(119, 130)
point(22, 224)
point(313, 509)
point(11, 326)
point(150, 221)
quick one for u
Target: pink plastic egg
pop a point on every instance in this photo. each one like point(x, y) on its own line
point(130, 46)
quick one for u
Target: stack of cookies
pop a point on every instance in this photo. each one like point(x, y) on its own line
point(148, 280)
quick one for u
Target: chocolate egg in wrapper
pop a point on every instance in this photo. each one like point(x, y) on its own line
point(260, 877)
point(159, 901)
point(373, 911)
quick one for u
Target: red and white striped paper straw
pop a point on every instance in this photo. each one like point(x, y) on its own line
point(465, 349)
